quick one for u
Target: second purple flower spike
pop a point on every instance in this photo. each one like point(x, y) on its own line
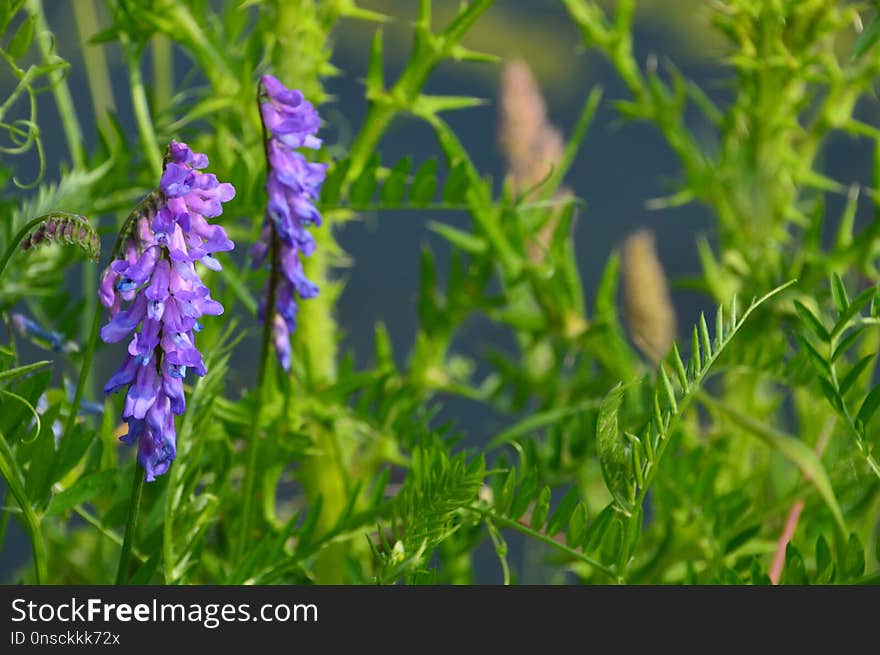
point(293, 184)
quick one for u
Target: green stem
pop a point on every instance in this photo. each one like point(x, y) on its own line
point(69, 120)
point(428, 50)
point(163, 71)
point(4, 523)
point(17, 239)
point(187, 30)
point(301, 56)
point(250, 473)
point(134, 508)
point(92, 520)
point(15, 483)
point(97, 72)
point(141, 106)
point(550, 541)
point(84, 371)
point(864, 450)
point(101, 92)
point(375, 125)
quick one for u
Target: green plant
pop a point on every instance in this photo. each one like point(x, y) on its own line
point(747, 453)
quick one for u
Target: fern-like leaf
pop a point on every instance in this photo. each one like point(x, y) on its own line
point(671, 399)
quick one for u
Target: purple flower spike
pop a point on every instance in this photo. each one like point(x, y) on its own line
point(157, 277)
point(292, 187)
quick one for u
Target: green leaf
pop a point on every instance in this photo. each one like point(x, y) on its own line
point(466, 241)
point(792, 449)
point(104, 36)
point(428, 301)
point(394, 187)
point(460, 53)
point(822, 182)
point(756, 571)
point(20, 371)
point(524, 494)
point(606, 291)
point(612, 541)
point(6, 13)
point(810, 319)
point(852, 563)
point(705, 341)
point(84, 489)
point(562, 513)
point(364, 187)
point(572, 147)
point(21, 40)
point(795, 572)
point(71, 450)
point(456, 184)
point(831, 395)
point(854, 373)
point(868, 38)
point(331, 189)
point(577, 526)
point(678, 365)
point(351, 10)
point(824, 562)
point(667, 388)
point(869, 407)
point(14, 478)
point(19, 419)
point(424, 184)
point(877, 547)
point(542, 508)
point(838, 293)
point(596, 532)
point(379, 486)
point(311, 522)
point(614, 456)
point(384, 348)
point(816, 359)
point(856, 306)
point(428, 105)
point(41, 454)
point(847, 342)
point(502, 502)
point(740, 538)
point(145, 572)
point(632, 531)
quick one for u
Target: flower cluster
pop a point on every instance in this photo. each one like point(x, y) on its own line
point(292, 186)
point(157, 277)
point(70, 229)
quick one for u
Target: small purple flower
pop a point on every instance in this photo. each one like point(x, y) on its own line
point(157, 278)
point(292, 187)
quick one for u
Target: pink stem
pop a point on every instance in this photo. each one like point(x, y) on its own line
point(791, 522)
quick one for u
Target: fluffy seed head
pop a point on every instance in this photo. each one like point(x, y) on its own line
point(649, 311)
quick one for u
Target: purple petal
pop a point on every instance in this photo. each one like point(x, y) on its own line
point(124, 322)
point(123, 376)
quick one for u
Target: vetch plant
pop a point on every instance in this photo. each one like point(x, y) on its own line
point(605, 441)
point(290, 122)
point(166, 297)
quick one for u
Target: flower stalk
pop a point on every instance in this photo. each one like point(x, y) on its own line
point(134, 507)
